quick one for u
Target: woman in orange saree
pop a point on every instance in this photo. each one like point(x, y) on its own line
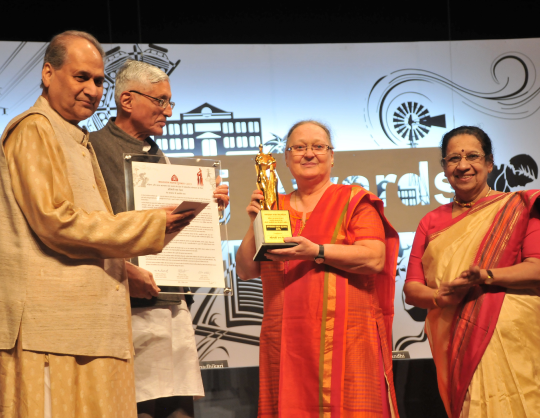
point(325, 349)
point(475, 264)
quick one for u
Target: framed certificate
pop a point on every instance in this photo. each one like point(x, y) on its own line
point(196, 258)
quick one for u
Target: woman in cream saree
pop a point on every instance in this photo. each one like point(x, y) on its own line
point(477, 271)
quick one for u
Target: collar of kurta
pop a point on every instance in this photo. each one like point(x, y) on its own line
point(80, 135)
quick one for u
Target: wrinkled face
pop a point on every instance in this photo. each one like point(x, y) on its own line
point(309, 165)
point(75, 89)
point(467, 178)
point(147, 116)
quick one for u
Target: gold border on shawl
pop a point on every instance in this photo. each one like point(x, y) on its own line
point(326, 378)
point(475, 209)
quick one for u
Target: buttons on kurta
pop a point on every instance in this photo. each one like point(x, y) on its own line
point(117, 287)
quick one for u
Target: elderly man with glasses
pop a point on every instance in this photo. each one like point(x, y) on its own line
point(167, 374)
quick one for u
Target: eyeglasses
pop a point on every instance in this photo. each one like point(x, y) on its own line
point(455, 159)
point(163, 103)
point(317, 149)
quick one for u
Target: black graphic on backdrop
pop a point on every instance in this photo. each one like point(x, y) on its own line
point(412, 122)
point(276, 144)
point(208, 130)
point(512, 97)
point(417, 314)
point(244, 308)
point(521, 170)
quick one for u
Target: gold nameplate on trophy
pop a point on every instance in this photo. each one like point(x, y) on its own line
point(270, 225)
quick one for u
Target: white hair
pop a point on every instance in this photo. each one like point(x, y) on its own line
point(136, 72)
point(321, 125)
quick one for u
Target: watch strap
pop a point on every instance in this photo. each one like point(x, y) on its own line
point(321, 252)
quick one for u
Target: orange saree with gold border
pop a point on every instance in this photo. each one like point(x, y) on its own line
point(324, 329)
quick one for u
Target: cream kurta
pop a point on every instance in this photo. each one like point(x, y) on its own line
point(66, 290)
point(58, 292)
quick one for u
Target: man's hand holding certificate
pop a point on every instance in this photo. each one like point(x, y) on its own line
point(176, 221)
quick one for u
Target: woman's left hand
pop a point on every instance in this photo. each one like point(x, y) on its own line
point(468, 278)
point(305, 250)
point(221, 193)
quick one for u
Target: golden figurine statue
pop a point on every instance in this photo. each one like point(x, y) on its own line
point(266, 183)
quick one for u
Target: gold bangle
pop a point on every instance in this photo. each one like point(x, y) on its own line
point(435, 298)
point(490, 277)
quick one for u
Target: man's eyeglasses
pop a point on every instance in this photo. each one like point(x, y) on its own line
point(317, 149)
point(454, 159)
point(163, 103)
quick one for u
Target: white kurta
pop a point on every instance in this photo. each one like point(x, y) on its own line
point(166, 359)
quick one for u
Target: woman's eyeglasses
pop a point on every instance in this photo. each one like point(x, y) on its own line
point(317, 149)
point(455, 159)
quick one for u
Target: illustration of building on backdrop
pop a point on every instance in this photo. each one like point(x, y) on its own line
point(208, 130)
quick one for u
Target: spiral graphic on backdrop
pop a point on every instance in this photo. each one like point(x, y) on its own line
point(515, 95)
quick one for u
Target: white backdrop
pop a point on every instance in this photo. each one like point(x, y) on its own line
point(374, 96)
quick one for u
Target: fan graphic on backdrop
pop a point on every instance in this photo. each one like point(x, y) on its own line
point(413, 122)
point(515, 95)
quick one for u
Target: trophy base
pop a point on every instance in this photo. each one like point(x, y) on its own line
point(263, 248)
point(270, 227)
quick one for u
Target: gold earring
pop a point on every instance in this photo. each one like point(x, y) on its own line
point(332, 164)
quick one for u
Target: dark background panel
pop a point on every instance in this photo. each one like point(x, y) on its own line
point(145, 21)
point(233, 393)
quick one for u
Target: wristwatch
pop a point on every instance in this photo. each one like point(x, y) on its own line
point(319, 259)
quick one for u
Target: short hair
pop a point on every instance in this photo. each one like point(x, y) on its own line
point(56, 51)
point(135, 72)
point(321, 125)
point(478, 133)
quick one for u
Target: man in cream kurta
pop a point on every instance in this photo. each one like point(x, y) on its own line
point(65, 337)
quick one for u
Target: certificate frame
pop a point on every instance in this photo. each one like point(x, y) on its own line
point(208, 171)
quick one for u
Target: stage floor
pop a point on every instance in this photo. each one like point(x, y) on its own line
point(233, 393)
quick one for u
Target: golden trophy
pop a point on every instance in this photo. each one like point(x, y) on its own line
point(271, 225)
point(266, 183)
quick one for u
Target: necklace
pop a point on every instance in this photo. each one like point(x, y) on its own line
point(302, 223)
point(466, 204)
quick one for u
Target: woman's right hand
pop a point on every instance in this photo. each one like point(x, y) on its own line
point(254, 206)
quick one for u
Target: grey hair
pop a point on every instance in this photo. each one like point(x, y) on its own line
point(56, 51)
point(136, 72)
point(321, 125)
